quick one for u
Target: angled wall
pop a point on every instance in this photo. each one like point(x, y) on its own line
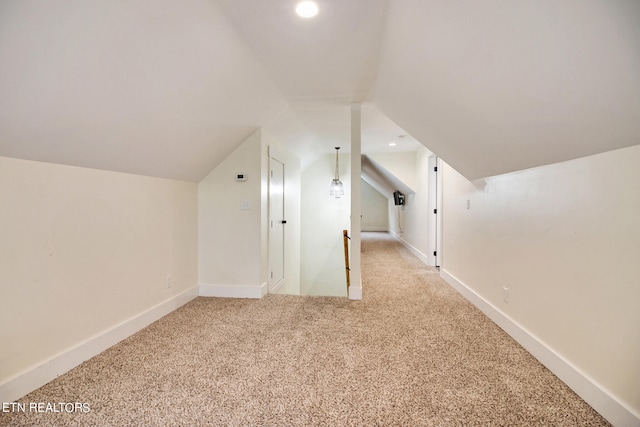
point(231, 228)
point(564, 240)
point(88, 257)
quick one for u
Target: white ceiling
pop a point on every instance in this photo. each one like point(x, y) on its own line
point(149, 87)
point(166, 88)
point(331, 57)
point(322, 65)
point(495, 86)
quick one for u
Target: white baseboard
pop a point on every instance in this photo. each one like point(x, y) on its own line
point(422, 257)
point(277, 286)
point(233, 291)
point(591, 392)
point(34, 378)
point(355, 293)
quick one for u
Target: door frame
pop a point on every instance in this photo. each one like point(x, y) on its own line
point(434, 257)
point(273, 287)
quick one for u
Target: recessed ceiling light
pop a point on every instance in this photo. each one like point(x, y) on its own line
point(307, 9)
point(392, 144)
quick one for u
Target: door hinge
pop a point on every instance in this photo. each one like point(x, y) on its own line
point(435, 169)
point(435, 211)
point(435, 253)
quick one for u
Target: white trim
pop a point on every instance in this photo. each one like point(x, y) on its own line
point(590, 391)
point(233, 291)
point(355, 243)
point(435, 205)
point(274, 154)
point(422, 257)
point(277, 286)
point(36, 377)
point(355, 292)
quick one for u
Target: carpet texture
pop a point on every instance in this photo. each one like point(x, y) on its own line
point(413, 353)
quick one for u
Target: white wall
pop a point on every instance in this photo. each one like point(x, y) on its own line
point(322, 269)
point(233, 222)
point(415, 213)
point(565, 240)
point(375, 209)
point(410, 223)
point(84, 250)
point(232, 231)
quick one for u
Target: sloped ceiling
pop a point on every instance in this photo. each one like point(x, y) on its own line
point(152, 87)
point(332, 57)
point(495, 86)
point(166, 88)
point(383, 180)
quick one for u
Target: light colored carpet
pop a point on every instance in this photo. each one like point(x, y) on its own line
point(412, 353)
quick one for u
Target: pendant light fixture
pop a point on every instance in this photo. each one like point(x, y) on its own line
point(337, 190)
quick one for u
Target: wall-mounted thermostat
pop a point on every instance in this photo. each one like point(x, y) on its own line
point(240, 176)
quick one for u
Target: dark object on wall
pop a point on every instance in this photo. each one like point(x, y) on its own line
point(398, 198)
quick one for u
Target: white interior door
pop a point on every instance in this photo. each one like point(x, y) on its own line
point(277, 223)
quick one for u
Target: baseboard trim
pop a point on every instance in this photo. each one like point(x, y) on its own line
point(233, 291)
point(277, 286)
point(355, 293)
point(422, 257)
point(591, 392)
point(34, 378)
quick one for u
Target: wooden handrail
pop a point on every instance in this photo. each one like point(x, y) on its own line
point(346, 256)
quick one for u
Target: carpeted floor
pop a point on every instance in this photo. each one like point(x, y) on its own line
point(412, 353)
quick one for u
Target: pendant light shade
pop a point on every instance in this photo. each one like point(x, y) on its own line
point(337, 190)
